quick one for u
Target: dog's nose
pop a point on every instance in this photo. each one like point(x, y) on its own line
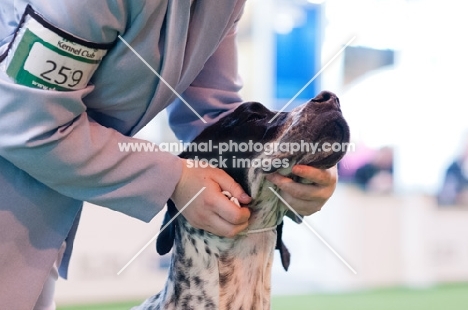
point(327, 97)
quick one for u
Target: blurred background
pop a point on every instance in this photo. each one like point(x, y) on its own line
point(399, 215)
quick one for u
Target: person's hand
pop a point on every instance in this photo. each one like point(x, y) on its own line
point(211, 210)
point(307, 198)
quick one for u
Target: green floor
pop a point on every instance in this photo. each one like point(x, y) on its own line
point(448, 297)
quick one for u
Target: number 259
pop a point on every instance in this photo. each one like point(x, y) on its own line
point(63, 77)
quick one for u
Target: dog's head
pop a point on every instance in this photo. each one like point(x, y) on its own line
point(253, 137)
point(318, 130)
point(253, 141)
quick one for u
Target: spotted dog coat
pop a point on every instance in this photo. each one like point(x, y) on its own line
point(210, 272)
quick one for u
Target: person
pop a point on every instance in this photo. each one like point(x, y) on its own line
point(376, 176)
point(72, 90)
point(454, 189)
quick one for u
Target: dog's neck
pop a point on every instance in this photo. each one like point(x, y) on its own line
point(211, 272)
point(267, 210)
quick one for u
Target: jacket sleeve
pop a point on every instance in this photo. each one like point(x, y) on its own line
point(50, 135)
point(213, 94)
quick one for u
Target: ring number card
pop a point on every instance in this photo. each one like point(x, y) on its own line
point(48, 58)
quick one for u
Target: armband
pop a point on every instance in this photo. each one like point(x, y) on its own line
point(46, 57)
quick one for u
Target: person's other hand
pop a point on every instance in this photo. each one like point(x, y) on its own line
point(307, 198)
point(211, 210)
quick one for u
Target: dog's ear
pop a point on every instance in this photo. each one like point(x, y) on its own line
point(166, 237)
point(284, 252)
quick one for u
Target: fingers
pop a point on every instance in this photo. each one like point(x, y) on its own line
point(217, 214)
point(308, 192)
point(323, 177)
point(306, 199)
point(220, 227)
point(227, 183)
point(229, 211)
point(211, 210)
point(302, 207)
point(231, 219)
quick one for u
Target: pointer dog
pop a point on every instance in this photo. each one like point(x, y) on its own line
point(210, 272)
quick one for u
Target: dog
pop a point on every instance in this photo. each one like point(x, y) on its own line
point(211, 272)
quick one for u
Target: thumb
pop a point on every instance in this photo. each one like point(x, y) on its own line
point(227, 183)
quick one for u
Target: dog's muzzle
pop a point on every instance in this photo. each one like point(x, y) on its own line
point(320, 130)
